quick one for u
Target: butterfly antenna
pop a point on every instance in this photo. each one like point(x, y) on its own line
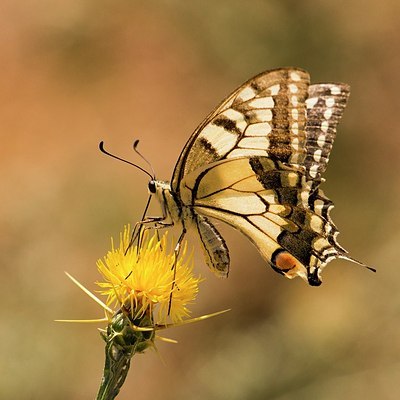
point(135, 145)
point(101, 147)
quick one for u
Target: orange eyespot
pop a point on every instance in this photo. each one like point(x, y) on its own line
point(285, 261)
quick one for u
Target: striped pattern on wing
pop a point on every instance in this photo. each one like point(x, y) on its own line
point(266, 116)
point(268, 202)
point(325, 105)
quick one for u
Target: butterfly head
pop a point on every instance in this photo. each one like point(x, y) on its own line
point(157, 187)
point(161, 190)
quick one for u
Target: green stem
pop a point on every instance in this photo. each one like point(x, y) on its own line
point(122, 342)
point(116, 369)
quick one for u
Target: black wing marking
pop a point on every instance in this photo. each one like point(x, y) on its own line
point(325, 106)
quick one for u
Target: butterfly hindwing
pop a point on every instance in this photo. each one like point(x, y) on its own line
point(265, 200)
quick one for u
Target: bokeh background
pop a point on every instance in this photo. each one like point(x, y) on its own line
point(75, 72)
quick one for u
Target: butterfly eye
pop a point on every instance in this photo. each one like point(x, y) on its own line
point(152, 187)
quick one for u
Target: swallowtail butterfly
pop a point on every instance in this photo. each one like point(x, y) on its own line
point(256, 163)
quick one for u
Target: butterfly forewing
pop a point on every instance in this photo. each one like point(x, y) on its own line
point(265, 116)
point(325, 105)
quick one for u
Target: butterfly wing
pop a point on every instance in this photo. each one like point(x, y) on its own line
point(268, 202)
point(265, 116)
point(279, 122)
point(325, 105)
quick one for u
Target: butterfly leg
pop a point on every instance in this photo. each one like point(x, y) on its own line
point(136, 234)
point(148, 223)
point(176, 255)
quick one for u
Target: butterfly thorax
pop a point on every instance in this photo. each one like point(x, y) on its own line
point(171, 205)
point(181, 213)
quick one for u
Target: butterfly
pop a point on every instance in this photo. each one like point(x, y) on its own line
point(256, 163)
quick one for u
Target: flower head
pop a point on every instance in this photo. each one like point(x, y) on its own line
point(140, 282)
point(148, 278)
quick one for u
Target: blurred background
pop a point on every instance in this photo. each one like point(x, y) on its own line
point(75, 72)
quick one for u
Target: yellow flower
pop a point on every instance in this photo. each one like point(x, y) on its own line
point(140, 282)
point(145, 279)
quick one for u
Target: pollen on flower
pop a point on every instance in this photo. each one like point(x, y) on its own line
point(143, 278)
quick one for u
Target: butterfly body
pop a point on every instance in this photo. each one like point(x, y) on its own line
point(178, 213)
point(256, 163)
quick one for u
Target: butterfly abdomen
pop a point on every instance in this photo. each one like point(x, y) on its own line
point(214, 247)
